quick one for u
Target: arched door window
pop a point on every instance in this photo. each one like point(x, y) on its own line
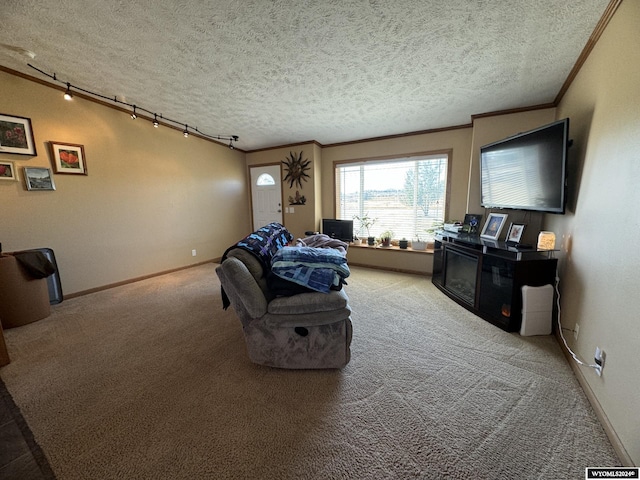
point(265, 179)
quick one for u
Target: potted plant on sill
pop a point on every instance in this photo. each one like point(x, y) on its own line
point(404, 243)
point(422, 244)
point(431, 232)
point(418, 244)
point(366, 222)
point(385, 238)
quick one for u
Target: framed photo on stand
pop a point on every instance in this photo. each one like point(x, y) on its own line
point(514, 234)
point(493, 226)
point(471, 224)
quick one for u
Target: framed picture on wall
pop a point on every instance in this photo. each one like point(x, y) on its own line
point(16, 135)
point(493, 226)
point(68, 158)
point(38, 178)
point(7, 171)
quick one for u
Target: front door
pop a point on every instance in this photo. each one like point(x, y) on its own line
point(266, 195)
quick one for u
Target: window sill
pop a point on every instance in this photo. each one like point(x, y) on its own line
point(390, 248)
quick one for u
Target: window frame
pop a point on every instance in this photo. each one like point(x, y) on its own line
point(398, 157)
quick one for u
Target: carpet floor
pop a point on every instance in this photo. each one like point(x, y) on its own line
point(151, 380)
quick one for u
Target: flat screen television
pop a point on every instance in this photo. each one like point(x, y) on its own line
point(527, 171)
point(340, 229)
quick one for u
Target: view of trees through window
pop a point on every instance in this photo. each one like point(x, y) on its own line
point(405, 196)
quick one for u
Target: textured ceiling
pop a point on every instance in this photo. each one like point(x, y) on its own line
point(276, 72)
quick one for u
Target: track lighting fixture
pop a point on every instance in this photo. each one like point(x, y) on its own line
point(166, 121)
point(233, 138)
point(67, 94)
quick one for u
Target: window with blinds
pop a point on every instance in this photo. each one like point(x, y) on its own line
point(404, 195)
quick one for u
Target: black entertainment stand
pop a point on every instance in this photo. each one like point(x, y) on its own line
point(486, 276)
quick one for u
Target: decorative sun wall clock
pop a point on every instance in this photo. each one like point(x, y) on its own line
point(296, 169)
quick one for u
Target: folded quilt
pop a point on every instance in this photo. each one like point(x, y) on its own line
point(319, 269)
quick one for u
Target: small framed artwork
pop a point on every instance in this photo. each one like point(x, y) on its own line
point(7, 171)
point(38, 178)
point(493, 226)
point(471, 223)
point(16, 135)
point(68, 158)
point(514, 234)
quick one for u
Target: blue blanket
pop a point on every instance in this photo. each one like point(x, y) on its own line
point(263, 244)
point(319, 269)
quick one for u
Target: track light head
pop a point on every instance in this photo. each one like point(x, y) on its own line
point(232, 138)
point(68, 95)
point(133, 115)
point(155, 120)
point(186, 131)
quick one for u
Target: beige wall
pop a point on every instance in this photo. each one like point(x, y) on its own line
point(458, 140)
point(600, 264)
point(151, 196)
point(303, 217)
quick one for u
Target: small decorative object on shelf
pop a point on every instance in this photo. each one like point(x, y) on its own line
point(298, 199)
point(418, 244)
point(546, 241)
point(404, 243)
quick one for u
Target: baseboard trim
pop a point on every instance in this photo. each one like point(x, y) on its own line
point(137, 279)
point(390, 269)
point(617, 444)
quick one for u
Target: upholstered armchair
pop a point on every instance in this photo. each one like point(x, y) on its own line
point(304, 330)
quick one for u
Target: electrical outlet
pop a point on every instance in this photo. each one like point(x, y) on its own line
point(193, 252)
point(599, 358)
point(576, 331)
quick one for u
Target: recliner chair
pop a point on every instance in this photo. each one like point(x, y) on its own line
point(306, 330)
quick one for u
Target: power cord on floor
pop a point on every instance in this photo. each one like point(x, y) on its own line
point(560, 329)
